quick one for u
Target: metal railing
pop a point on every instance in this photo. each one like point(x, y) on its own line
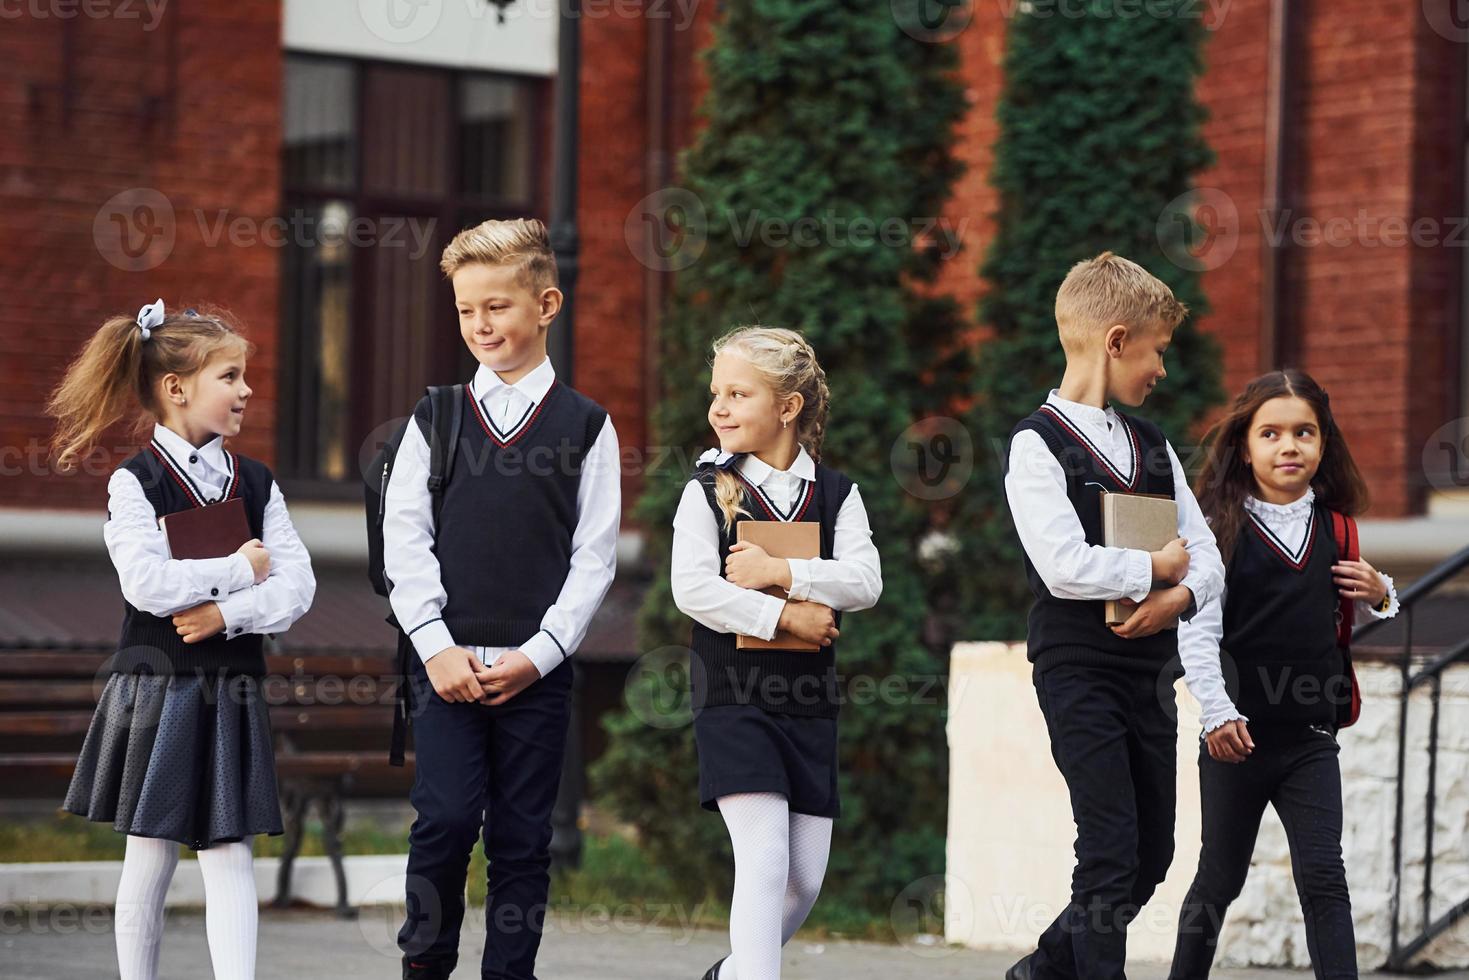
point(1430, 674)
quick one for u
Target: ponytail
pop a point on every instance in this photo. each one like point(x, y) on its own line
point(116, 374)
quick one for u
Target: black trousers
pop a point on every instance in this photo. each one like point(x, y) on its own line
point(1296, 771)
point(491, 771)
point(1114, 736)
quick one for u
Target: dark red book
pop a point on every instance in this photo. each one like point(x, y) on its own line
point(215, 531)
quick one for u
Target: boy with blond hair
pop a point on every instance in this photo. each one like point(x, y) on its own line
point(1106, 691)
point(494, 584)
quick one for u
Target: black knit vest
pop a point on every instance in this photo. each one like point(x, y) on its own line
point(151, 643)
point(1075, 630)
point(796, 682)
point(503, 538)
point(1279, 654)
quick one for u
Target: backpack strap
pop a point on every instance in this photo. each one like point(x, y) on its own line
point(1348, 548)
point(446, 416)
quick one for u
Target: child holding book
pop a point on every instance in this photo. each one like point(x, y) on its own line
point(1106, 691)
point(1277, 480)
point(765, 720)
point(179, 749)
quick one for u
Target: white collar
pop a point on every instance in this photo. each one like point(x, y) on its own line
point(1077, 412)
point(757, 471)
point(533, 386)
point(211, 453)
point(1295, 510)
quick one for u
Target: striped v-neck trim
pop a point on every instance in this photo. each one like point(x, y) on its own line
point(1297, 560)
point(798, 506)
point(186, 482)
point(1127, 481)
point(520, 428)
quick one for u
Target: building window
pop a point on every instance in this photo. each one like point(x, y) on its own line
point(383, 163)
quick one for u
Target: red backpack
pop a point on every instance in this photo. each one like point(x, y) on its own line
point(1344, 530)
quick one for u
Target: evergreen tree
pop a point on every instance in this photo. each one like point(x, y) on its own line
point(827, 112)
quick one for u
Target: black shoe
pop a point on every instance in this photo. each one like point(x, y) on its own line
point(713, 972)
point(420, 969)
point(1021, 970)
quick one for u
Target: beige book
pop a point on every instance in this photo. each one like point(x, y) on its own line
point(1136, 520)
point(780, 539)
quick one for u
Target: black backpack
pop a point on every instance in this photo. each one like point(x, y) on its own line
point(446, 412)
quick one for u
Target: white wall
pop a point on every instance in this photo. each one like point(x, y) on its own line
point(1010, 829)
point(449, 33)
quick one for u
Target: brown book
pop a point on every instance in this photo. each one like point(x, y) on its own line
point(780, 539)
point(214, 531)
point(1136, 520)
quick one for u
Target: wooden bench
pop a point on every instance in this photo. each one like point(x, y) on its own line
point(331, 716)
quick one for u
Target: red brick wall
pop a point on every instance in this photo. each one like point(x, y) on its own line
point(610, 363)
point(204, 134)
point(1233, 90)
point(1376, 110)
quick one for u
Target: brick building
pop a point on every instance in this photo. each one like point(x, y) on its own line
point(302, 162)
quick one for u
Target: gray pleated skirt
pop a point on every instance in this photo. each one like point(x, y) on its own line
point(186, 758)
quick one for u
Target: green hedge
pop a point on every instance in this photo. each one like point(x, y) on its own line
point(822, 110)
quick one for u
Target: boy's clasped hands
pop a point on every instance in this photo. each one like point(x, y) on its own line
point(751, 567)
point(1161, 609)
point(458, 675)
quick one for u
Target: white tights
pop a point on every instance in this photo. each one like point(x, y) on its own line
point(780, 859)
point(230, 909)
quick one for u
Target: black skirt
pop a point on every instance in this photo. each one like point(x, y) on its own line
point(186, 758)
point(745, 749)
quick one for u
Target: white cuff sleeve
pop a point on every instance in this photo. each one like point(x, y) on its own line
point(430, 638)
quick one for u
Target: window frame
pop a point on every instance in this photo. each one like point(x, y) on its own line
point(447, 212)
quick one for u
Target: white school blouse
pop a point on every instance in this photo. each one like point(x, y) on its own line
point(163, 586)
point(1199, 638)
point(417, 594)
point(848, 581)
point(1051, 533)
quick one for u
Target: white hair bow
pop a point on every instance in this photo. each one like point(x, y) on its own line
point(716, 456)
point(149, 317)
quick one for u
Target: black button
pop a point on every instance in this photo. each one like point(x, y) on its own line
point(237, 630)
point(193, 459)
point(214, 500)
point(214, 592)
